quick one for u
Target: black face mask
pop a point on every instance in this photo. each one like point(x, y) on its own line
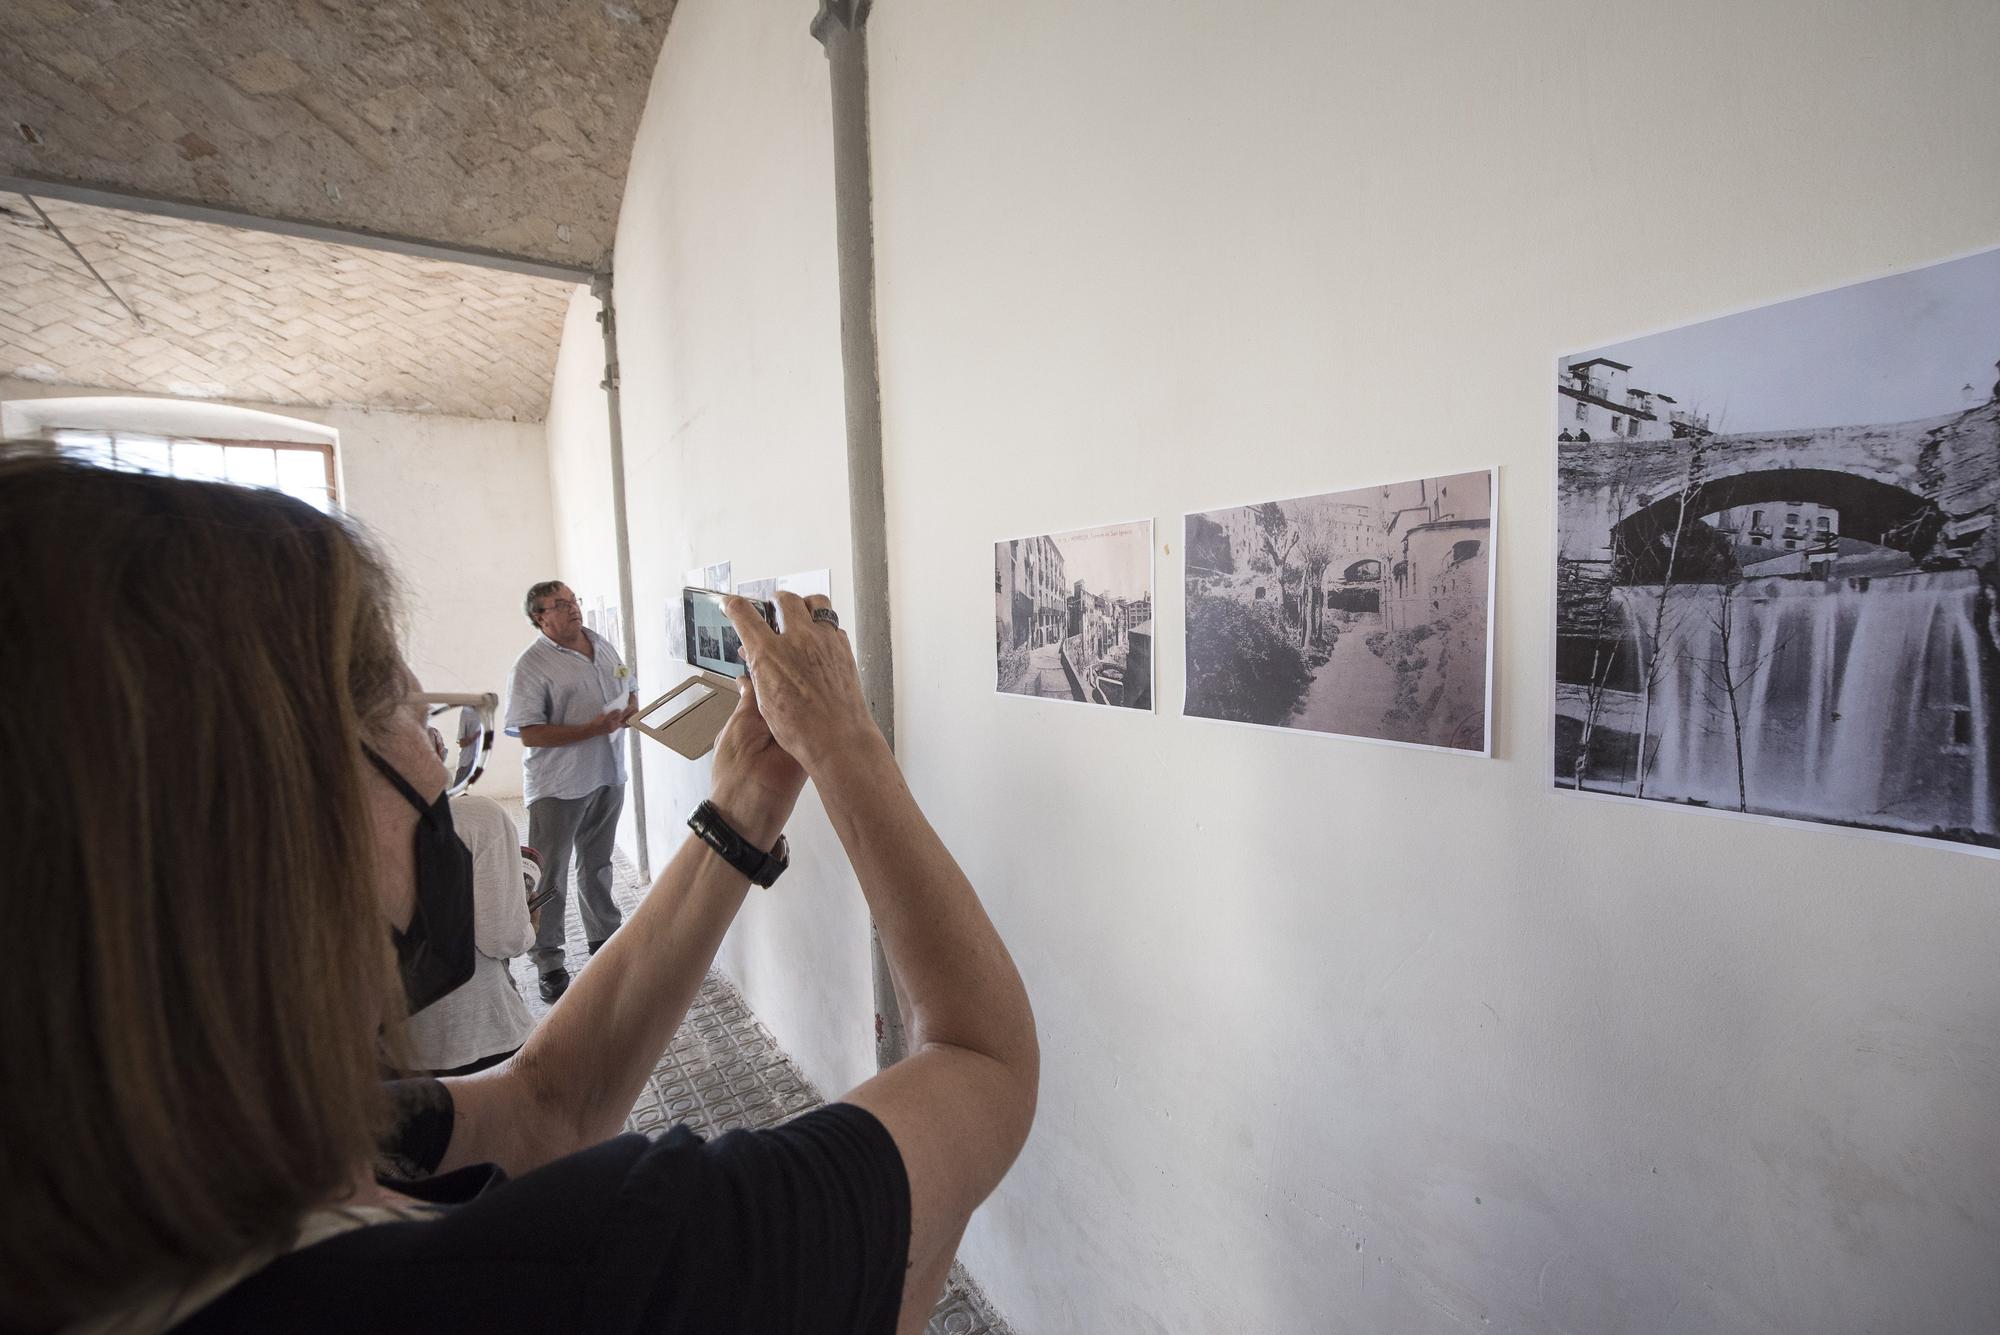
point(436, 955)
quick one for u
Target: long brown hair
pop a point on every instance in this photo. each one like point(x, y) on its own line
point(188, 1057)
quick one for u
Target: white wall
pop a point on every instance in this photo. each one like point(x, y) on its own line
point(734, 442)
point(463, 508)
point(1341, 1037)
point(460, 505)
point(579, 454)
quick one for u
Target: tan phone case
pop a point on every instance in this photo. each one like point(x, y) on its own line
point(690, 716)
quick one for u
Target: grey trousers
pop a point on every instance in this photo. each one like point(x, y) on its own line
point(579, 829)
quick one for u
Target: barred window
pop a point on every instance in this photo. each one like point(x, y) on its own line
point(295, 468)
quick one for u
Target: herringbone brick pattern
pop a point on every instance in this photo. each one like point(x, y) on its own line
point(269, 319)
point(500, 124)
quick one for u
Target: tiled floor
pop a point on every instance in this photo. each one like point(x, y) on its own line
point(724, 1071)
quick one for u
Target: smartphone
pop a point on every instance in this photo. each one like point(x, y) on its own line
point(712, 643)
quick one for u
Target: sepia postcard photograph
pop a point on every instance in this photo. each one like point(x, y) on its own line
point(1363, 613)
point(1073, 616)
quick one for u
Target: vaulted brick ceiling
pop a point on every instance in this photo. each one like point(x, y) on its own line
point(491, 125)
point(498, 124)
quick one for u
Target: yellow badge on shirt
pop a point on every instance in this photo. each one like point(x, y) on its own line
point(621, 672)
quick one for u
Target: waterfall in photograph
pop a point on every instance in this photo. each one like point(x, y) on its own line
point(1852, 700)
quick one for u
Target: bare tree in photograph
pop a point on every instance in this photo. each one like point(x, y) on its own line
point(1587, 595)
point(1686, 508)
point(1317, 546)
point(1600, 614)
point(1725, 676)
point(1278, 536)
point(1733, 675)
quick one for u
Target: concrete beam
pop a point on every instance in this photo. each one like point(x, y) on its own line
point(108, 197)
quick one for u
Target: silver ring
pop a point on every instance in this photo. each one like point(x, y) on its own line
point(828, 615)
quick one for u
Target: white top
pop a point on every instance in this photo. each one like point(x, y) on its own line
point(486, 1015)
point(552, 684)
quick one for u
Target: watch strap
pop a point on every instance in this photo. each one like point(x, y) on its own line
point(762, 868)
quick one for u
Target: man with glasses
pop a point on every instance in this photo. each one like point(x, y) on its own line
point(569, 695)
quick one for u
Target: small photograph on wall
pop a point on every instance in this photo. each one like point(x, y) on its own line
point(676, 628)
point(1364, 613)
point(1073, 615)
point(1778, 559)
point(804, 583)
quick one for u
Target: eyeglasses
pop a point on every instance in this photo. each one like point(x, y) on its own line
point(558, 604)
point(467, 750)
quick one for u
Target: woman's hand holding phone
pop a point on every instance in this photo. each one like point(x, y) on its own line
point(808, 689)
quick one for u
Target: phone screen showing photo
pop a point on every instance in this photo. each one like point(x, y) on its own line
point(713, 643)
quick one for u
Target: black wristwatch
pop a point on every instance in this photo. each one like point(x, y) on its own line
point(733, 848)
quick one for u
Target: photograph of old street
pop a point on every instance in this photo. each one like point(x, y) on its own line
point(1363, 613)
point(1777, 573)
point(1073, 615)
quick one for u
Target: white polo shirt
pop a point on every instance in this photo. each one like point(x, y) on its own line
point(552, 684)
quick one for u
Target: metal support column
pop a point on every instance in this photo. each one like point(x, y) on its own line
point(841, 27)
point(607, 317)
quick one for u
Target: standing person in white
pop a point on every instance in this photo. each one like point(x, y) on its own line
point(483, 1022)
point(569, 696)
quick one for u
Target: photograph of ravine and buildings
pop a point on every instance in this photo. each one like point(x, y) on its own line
point(1364, 613)
point(1073, 615)
point(1778, 564)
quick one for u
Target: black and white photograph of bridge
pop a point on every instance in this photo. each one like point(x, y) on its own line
point(1073, 616)
point(1778, 576)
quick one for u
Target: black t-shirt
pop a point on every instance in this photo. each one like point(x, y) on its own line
point(801, 1228)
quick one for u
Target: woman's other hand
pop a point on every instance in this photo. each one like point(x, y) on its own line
point(756, 781)
point(806, 682)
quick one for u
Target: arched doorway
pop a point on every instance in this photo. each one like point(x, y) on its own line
point(1356, 588)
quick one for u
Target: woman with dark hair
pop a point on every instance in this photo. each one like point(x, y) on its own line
point(231, 849)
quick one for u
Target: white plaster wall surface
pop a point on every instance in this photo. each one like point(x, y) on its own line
point(579, 435)
point(463, 508)
point(460, 505)
point(1352, 1038)
point(735, 449)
